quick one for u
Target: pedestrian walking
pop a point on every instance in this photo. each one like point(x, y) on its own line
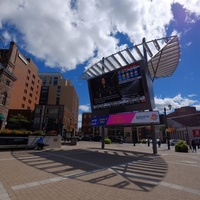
point(148, 142)
point(134, 141)
point(194, 146)
point(159, 143)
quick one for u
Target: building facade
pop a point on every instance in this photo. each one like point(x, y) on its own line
point(7, 79)
point(184, 123)
point(58, 104)
point(86, 128)
point(26, 89)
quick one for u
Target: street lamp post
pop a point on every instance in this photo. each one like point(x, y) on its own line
point(166, 124)
point(46, 120)
point(75, 125)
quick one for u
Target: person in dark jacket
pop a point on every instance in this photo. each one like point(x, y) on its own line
point(159, 143)
point(194, 146)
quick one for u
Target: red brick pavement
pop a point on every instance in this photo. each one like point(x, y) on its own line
point(87, 172)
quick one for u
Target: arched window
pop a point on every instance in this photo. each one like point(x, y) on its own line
point(3, 98)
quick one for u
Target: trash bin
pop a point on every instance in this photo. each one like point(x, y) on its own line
point(73, 141)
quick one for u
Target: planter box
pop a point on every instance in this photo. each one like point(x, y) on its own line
point(13, 141)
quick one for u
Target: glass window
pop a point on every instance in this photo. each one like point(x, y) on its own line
point(3, 98)
point(55, 81)
point(7, 82)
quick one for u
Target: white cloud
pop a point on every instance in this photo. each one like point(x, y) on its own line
point(192, 7)
point(64, 36)
point(80, 120)
point(192, 95)
point(84, 108)
point(188, 44)
point(176, 102)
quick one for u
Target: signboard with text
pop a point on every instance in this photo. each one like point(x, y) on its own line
point(196, 132)
point(127, 119)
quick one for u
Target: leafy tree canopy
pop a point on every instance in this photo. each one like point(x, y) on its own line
point(18, 119)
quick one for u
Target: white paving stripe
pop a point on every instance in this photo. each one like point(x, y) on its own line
point(3, 193)
point(147, 180)
point(100, 168)
point(51, 180)
point(182, 163)
point(170, 185)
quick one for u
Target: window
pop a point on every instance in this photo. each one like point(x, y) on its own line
point(30, 95)
point(57, 100)
point(24, 98)
point(7, 82)
point(25, 91)
point(23, 106)
point(50, 81)
point(27, 78)
point(33, 82)
point(29, 71)
point(34, 76)
point(55, 81)
point(26, 84)
point(29, 101)
point(3, 98)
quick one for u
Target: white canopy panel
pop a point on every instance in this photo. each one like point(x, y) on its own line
point(162, 55)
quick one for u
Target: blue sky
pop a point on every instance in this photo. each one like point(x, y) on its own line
point(67, 36)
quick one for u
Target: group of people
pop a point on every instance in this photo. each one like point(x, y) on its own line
point(158, 142)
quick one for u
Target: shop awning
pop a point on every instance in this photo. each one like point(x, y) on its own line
point(2, 117)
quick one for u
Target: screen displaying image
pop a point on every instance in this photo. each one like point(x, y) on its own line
point(120, 87)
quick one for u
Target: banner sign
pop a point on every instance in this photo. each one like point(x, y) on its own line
point(196, 133)
point(127, 118)
point(99, 121)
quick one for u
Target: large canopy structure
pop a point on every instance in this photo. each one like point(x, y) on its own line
point(162, 57)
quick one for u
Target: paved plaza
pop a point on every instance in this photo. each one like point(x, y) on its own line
point(88, 172)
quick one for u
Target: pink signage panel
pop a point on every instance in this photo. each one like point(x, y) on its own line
point(120, 118)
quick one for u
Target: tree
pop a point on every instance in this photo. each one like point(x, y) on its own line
point(18, 121)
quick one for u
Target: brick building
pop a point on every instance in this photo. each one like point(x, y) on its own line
point(7, 79)
point(20, 82)
point(185, 123)
point(58, 105)
point(87, 129)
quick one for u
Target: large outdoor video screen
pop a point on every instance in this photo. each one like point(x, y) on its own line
point(122, 90)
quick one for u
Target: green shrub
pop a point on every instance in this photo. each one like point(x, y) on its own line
point(143, 141)
point(181, 146)
point(177, 148)
point(20, 132)
point(107, 141)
